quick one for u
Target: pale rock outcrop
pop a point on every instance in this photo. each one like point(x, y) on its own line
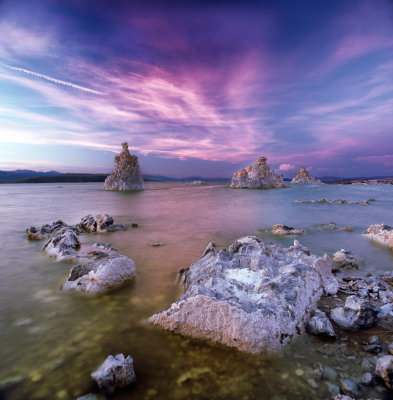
point(46, 231)
point(320, 325)
point(257, 176)
point(127, 174)
point(279, 229)
point(346, 259)
point(338, 201)
point(100, 223)
point(102, 275)
point(304, 177)
point(256, 296)
point(115, 372)
point(384, 369)
point(63, 247)
point(380, 233)
point(357, 314)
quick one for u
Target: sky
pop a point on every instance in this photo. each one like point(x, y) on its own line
point(197, 88)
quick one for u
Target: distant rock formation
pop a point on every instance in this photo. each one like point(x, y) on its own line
point(304, 177)
point(257, 176)
point(127, 174)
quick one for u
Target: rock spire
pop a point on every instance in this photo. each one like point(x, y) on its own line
point(304, 177)
point(127, 174)
point(257, 176)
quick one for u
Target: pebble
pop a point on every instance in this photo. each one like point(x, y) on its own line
point(312, 383)
point(349, 387)
point(299, 372)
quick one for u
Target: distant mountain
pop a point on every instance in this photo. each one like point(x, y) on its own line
point(25, 173)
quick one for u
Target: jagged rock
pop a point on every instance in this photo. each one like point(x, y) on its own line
point(257, 176)
point(298, 246)
point(339, 201)
point(304, 177)
point(349, 387)
point(102, 275)
point(356, 314)
point(99, 223)
point(346, 259)
point(279, 229)
point(331, 286)
point(384, 369)
point(380, 233)
point(256, 296)
point(63, 247)
point(115, 372)
point(46, 231)
point(320, 325)
point(385, 317)
point(127, 174)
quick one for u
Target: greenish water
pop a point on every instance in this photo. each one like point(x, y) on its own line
point(52, 340)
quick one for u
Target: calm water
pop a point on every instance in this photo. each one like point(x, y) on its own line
point(50, 341)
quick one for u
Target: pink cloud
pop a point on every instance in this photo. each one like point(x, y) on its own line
point(286, 167)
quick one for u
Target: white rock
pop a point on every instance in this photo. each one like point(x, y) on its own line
point(380, 233)
point(384, 369)
point(304, 177)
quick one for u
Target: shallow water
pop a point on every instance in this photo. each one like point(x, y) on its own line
point(50, 341)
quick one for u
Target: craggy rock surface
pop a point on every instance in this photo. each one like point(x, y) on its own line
point(257, 176)
point(384, 369)
point(255, 296)
point(380, 233)
point(102, 275)
point(115, 372)
point(279, 229)
point(127, 174)
point(346, 259)
point(357, 314)
point(46, 230)
point(320, 325)
point(304, 177)
point(63, 247)
point(339, 201)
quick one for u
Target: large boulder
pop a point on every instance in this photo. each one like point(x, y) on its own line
point(127, 174)
point(102, 275)
point(384, 369)
point(63, 247)
point(115, 372)
point(256, 296)
point(257, 176)
point(304, 177)
point(381, 233)
point(357, 314)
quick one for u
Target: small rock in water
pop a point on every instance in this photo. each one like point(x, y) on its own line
point(286, 230)
point(343, 397)
point(192, 374)
point(320, 325)
point(356, 314)
point(368, 379)
point(390, 348)
point(346, 259)
point(349, 387)
point(373, 348)
point(156, 244)
point(384, 369)
point(380, 233)
point(115, 372)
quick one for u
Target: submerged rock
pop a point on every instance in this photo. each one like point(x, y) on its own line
point(333, 227)
point(256, 296)
point(279, 229)
point(63, 247)
point(346, 259)
point(257, 176)
point(384, 369)
point(115, 372)
point(338, 201)
point(380, 233)
point(357, 314)
point(320, 325)
point(304, 177)
point(127, 174)
point(102, 275)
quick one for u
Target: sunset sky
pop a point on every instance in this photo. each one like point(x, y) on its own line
point(197, 88)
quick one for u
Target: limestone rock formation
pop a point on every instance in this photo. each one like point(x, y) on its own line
point(102, 275)
point(304, 177)
point(257, 176)
point(380, 233)
point(63, 247)
point(256, 296)
point(115, 372)
point(346, 259)
point(280, 229)
point(46, 231)
point(127, 174)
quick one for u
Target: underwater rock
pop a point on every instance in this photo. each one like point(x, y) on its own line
point(256, 296)
point(115, 372)
point(127, 174)
point(384, 369)
point(279, 229)
point(257, 176)
point(46, 231)
point(320, 325)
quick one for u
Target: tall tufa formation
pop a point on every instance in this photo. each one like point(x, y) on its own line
point(127, 174)
point(304, 177)
point(257, 176)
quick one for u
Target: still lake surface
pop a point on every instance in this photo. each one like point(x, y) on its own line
point(50, 340)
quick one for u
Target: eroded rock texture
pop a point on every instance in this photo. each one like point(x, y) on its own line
point(304, 177)
point(255, 296)
point(127, 174)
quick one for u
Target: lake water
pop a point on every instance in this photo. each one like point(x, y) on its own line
point(50, 340)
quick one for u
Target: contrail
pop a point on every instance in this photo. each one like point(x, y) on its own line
point(49, 78)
